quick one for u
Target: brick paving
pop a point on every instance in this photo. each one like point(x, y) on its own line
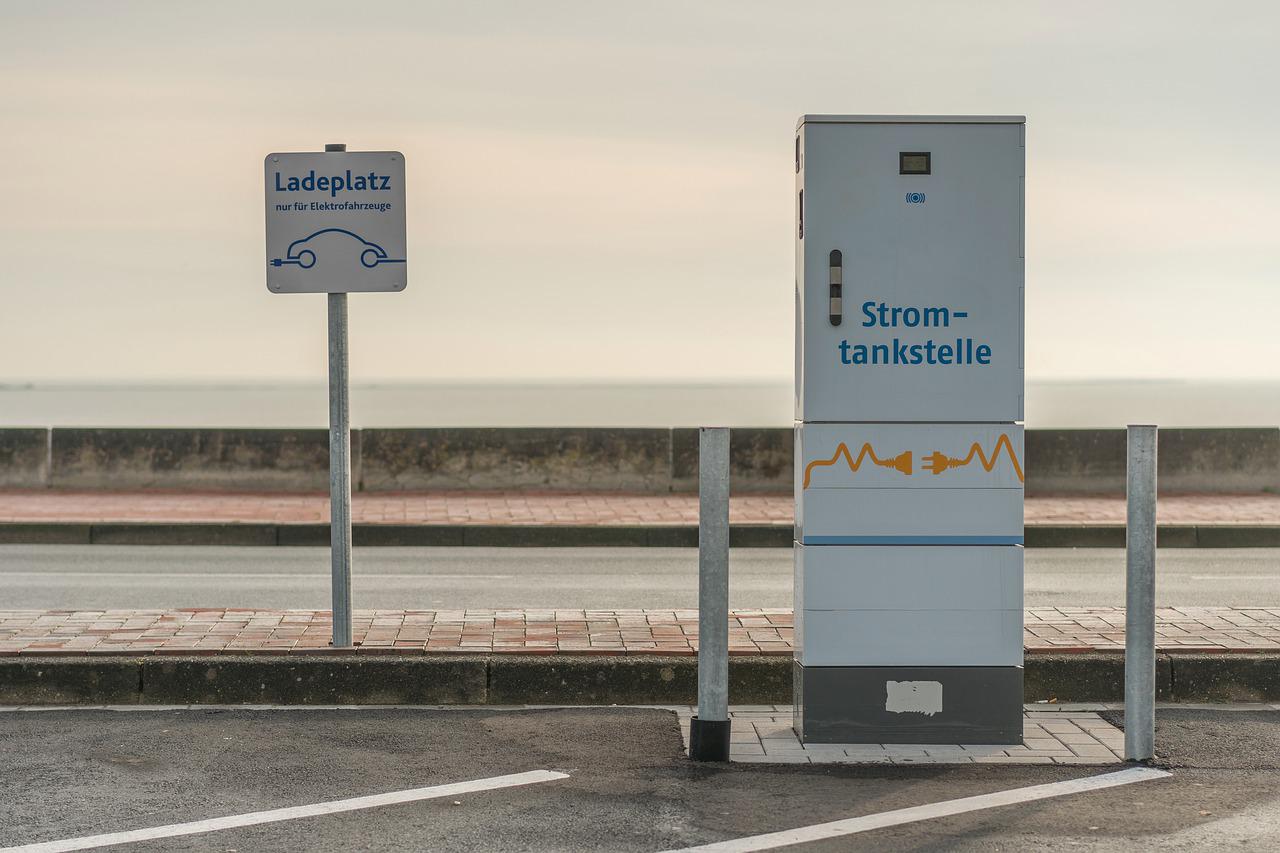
point(575, 632)
point(762, 734)
point(549, 508)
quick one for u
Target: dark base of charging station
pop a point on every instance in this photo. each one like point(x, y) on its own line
point(709, 740)
point(930, 704)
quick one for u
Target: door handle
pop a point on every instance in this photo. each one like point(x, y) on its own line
point(836, 279)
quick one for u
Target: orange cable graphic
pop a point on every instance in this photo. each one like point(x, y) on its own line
point(939, 461)
point(901, 462)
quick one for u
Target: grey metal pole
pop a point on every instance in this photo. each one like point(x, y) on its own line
point(339, 462)
point(709, 730)
point(1140, 597)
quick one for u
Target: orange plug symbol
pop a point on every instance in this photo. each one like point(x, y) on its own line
point(901, 462)
point(937, 462)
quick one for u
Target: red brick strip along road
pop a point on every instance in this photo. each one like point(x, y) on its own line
point(551, 508)
point(554, 518)
point(187, 632)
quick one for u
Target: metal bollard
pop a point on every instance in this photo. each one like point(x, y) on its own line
point(709, 730)
point(1140, 597)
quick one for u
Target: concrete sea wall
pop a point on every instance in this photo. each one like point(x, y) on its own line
point(566, 459)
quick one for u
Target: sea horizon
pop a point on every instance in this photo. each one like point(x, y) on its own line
point(1061, 403)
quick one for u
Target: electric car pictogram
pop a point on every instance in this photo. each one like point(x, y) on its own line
point(331, 244)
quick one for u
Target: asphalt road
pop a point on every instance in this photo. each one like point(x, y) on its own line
point(102, 576)
point(625, 785)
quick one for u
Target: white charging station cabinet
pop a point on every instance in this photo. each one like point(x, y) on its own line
point(909, 443)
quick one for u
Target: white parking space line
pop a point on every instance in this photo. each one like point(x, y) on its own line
point(196, 827)
point(897, 817)
point(1235, 577)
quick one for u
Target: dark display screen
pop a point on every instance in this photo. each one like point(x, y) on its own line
point(914, 163)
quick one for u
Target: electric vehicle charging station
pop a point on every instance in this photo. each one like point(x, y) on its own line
point(909, 442)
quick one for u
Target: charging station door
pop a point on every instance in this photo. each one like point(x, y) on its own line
point(917, 225)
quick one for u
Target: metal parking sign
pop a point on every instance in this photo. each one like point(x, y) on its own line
point(335, 222)
point(335, 225)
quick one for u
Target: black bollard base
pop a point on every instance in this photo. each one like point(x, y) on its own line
point(709, 740)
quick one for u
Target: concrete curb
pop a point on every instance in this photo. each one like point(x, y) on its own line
point(315, 680)
point(567, 536)
point(448, 679)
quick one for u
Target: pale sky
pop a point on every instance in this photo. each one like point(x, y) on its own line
point(603, 190)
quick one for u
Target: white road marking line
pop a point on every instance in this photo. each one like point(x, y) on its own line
point(253, 575)
point(1235, 577)
point(946, 808)
point(196, 827)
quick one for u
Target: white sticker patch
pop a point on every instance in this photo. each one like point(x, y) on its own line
point(913, 697)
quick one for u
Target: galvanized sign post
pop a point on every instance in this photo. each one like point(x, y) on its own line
point(336, 225)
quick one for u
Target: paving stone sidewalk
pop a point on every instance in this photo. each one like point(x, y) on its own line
point(551, 508)
point(1069, 734)
point(572, 632)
